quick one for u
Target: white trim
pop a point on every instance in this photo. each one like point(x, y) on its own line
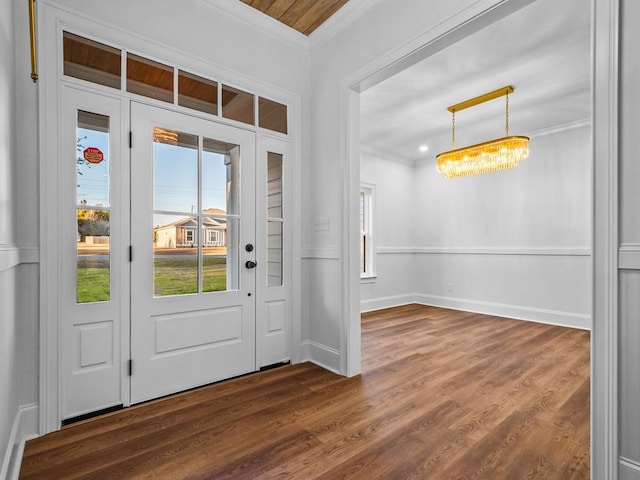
point(9, 257)
point(629, 470)
point(530, 314)
point(387, 156)
point(524, 251)
point(368, 279)
point(374, 304)
point(604, 340)
point(563, 127)
point(13, 255)
point(321, 355)
point(464, 23)
point(517, 312)
point(629, 256)
point(25, 427)
point(29, 254)
point(323, 253)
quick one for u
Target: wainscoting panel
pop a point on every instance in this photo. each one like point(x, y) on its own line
point(629, 365)
point(628, 470)
point(548, 285)
point(321, 310)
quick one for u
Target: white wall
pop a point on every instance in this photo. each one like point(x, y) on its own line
point(18, 239)
point(393, 223)
point(513, 243)
point(9, 381)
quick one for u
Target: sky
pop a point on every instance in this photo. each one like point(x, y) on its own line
point(175, 176)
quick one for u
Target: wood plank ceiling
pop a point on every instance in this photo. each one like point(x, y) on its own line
point(302, 15)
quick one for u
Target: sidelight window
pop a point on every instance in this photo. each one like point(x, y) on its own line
point(93, 212)
point(275, 219)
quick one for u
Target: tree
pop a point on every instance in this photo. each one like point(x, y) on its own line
point(93, 223)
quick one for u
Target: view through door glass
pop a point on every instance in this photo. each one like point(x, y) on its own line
point(92, 208)
point(195, 216)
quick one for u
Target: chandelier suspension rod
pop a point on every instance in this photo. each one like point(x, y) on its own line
point(506, 115)
point(501, 92)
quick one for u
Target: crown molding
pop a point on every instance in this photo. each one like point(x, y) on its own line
point(260, 21)
point(583, 122)
point(384, 155)
point(339, 20)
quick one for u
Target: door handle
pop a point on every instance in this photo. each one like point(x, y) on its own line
point(250, 264)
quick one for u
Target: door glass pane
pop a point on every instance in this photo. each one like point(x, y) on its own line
point(237, 105)
point(272, 115)
point(175, 254)
point(175, 171)
point(92, 162)
point(274, 185)
point(196, 223)
point(197, 93)
point(91, 61)
point(221, 180)
point(274, 253)
point(220, 254)
point(92, 265)
point(92, 208)
point(149, 78)
point(274, 219)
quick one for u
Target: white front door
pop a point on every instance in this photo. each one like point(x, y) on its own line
point(193, 273)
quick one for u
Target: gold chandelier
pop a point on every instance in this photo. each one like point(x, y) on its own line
point(484, 157)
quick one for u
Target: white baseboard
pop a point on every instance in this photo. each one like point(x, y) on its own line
point(323, 356)
point(386, 302)
point(628, 469)
point(552, 317)
point(25, 427)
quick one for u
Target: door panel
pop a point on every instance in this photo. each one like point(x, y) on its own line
point(93, 189)
point(192, 213)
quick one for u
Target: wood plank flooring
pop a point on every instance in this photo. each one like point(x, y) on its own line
point(443, 395)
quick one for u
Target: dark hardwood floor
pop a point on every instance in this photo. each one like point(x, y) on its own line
point(443, 395)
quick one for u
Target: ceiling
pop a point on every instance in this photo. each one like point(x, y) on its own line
point(302, 15)
point(543, 50)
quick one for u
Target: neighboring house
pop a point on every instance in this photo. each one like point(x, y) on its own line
point(184, 232)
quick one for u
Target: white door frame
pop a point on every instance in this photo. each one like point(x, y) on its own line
point(51, 21)
point(604, 333)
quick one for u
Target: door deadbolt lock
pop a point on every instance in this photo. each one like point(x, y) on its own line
point(248, 247)
point(250, 264)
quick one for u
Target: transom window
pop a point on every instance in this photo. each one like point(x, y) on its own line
point(99, 63)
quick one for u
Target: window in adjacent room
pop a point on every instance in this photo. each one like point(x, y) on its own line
point(366, 231)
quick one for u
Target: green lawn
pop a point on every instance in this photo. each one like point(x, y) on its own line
point(172, 276)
